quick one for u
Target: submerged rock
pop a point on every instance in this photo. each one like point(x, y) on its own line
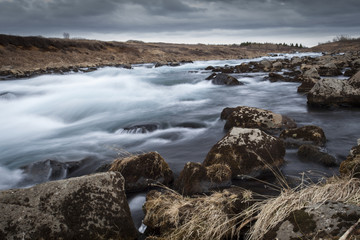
point(318, 221)
point(224, 79)
point(309, 153)
point(195, 178)
point(141, 170)
point(247, 152)
point(141, 128)
point(251, 117)
point(88, 207)
point(304, 135)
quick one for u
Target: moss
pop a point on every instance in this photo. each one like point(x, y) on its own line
point(303, 222)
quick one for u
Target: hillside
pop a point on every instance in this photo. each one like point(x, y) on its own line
point(26, 56)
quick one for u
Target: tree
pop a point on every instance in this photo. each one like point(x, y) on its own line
point(66, 35)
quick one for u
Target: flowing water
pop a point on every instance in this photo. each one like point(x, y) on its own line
point(91, 116)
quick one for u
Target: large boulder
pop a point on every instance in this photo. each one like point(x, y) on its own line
point(141, 170)
point(251, 117)
point(311, 73)
point(224, 79)
point(351, 166)
point(328, 220)
point(266, 65)
point(196, 178)
point(309, 153)
point(329, 69)
point(304, 135)
point(355, 80)
point(247, 151)
point(88, 207)
point(335, 92)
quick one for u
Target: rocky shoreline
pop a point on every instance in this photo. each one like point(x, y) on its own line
point(201, 202)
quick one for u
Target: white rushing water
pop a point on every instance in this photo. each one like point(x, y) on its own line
point(85, 115)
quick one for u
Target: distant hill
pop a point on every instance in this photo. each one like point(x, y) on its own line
point(338, 46)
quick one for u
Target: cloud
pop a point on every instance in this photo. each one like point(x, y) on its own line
point(51, 17)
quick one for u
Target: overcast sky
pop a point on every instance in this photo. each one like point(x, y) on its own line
point(184, 21)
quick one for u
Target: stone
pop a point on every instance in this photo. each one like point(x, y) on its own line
point(88, 207)
point(277, 65)
point(274, 77)
point(209, 68)
point(247, 152)
point(334, 92)
point(355, 80)
point(327, 220)
point(211, 77)
point(296, 61)
point(140, 171)
point(328, 70)
point(224, 79)
point(306, 85)
point(351, 166)
point(141, 128)
point(243, 68)
point(266, 65)
point(196, 178)
point(251, 117)
point(309, 153)
point(304, 135)
point(311, 73)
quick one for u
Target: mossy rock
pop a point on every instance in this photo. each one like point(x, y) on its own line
point(351, 166)
point(307, 134)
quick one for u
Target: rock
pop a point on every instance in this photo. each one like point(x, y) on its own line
point(296, 61)
point(351, 166)
point(243, 68)
point(277, 65)
point(140, 170)
point(354, 81)
point(209, 68)
point(250, 117)
point(274, 77)
point(142, 128)
point(160, 64)
point(88, 207)
point(329, 69)
point(174, 64)
point(328, 220)
point(356, 63)
point(224, 79)
point(211, 77)
point(307, 84)
point(167, 211)
point(311, 73)
point(266, 65)
point(350, 72)
point(309, 153)
point(195, 178)
point(304, 135)
point(246, 151)
point(334, 92)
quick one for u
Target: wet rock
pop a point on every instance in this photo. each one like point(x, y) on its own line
point(194, 125)
point(224, 79)
point(355, 81)
point(350, 72)
point(141, 170)
point(334, 92)
point(351, 166)
point(304, 135)
point(246, 151)
point(328, 70)
point(309, 153)
point(209, 68)
point(277, 66)
point(296, 61)
point(243, 68)
point(274, 77)
point(307, 84)
point(311, 73)
point(212, 76)
point(250, 117)
point(327, 220)
point(160, 64)
point(141, 128)
point(195, 178)
point(88, 207)
point(8, 96)
point(266, 65)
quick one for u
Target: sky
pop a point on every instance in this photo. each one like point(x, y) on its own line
point(308, 22)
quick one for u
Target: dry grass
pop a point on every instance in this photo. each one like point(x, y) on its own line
point(203, 218)
point(272, 211)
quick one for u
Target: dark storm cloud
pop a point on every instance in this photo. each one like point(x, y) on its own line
point(118, 16)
